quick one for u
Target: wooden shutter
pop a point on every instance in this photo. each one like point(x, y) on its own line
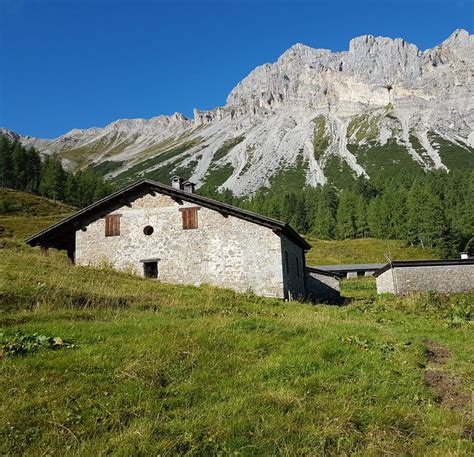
point(189, 216)
point(112, 225)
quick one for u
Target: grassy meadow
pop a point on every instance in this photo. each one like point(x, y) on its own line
point(363, 250)
point(97, 362)
point(23, 214)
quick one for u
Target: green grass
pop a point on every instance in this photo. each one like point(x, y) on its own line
point(186, 171)
point(18, 203)
point(215, 177)
point(163, 173)
point(320, 137)
point(364, 127)
point(290, 178)
point(363, 287)
point(84, 154)
point(106, 167)
point(153, 369)
point(21, 227)
point(453, 156)
point(365, 250)
point(227, 147)
point(338, 172)
point(418, 147)
point(387, 160)
point(250, 154)
point(23, 214)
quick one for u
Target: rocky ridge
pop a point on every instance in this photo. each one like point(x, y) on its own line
point(313, 116)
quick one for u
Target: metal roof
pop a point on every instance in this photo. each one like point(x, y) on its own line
point(423, 263)
point(322, 272)
point(56, 234)
point(350, 267)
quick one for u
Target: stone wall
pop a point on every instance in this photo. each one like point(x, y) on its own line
point(293, 270)
point(322, 288)
point(441, 278)
point(385, 282)
point(223, 251)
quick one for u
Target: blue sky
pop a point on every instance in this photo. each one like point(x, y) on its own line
point(77, 64)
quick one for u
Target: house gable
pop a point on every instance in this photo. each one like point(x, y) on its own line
point(223, 250)
point(60, 235)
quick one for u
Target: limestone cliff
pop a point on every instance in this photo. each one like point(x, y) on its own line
point(382, 106)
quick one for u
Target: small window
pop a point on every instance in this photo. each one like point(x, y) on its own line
point(112, 225)
point(190, 218)
point(148, 230)
point(150, 269)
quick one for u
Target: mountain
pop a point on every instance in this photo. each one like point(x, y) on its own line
point(314, 116)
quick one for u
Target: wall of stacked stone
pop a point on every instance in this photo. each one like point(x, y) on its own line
point(442, 278)
point(223, 251)
point(322, 287)
point(294, 275)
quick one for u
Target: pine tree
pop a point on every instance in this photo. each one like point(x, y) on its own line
point(6, 175)
point(53, 179)
point(33, 170)
point(324, 221)
point(71, 191)
point(345, 216)
point(360, 216)
point(19, 164)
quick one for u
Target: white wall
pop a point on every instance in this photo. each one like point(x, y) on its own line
point(223, 251)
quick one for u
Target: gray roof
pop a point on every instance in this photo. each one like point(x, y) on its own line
point(423, 263)
point(60, 235)
point(350, 267)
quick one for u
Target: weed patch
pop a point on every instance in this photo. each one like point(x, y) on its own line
point(21, 344)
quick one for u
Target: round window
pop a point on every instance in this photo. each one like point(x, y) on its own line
point(148, 230)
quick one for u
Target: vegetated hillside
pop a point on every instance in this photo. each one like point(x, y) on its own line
point(365, 250)
point(97, 362)
point(26, 214)
point(381, 108)
point(22, 214)
point(18, 203)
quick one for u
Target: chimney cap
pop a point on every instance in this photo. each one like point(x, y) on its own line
point(188, 186)
point(177, 182)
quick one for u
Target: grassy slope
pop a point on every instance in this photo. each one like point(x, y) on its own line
point(160, 369)
point(167, 370)
point(28, 214)
point(26, 204)
point(367, 250)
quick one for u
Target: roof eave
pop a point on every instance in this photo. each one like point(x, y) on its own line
point(273, 224)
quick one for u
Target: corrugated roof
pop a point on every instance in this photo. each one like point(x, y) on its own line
point(50, 235)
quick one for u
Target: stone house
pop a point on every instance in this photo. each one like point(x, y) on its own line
point(403, 277)
point(176, 236)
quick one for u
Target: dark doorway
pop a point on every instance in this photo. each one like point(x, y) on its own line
point(150, 269)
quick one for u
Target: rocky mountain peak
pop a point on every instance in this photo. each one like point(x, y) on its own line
point(380, 107)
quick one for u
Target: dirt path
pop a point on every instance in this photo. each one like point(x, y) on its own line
point(445, 385)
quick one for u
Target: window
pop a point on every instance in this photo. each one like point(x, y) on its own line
point(148, 230)
point(190, 220)
point(112, 225)
point(150, 269)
